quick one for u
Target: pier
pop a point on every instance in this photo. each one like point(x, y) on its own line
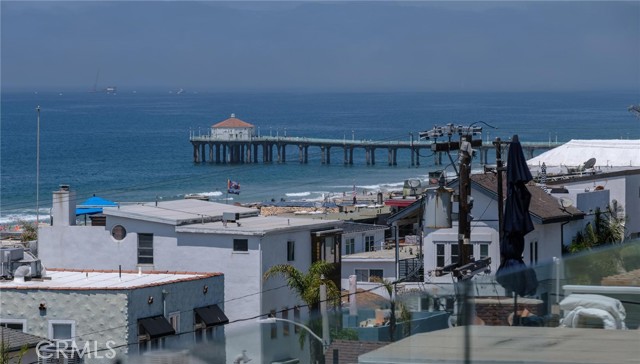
point(269, 149)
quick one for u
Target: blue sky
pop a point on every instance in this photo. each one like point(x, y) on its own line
point(321, 46)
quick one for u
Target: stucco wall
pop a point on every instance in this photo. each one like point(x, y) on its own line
point(103, 315)
point(99, 315)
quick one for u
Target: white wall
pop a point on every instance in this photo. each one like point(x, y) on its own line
point(86, 247)
point(624, 189)
point(232, 133)
point(349, 267)
point(479, 234)
point(359, 240)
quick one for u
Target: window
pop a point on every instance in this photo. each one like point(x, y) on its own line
point(484, 250)
point(62, 329)
point(533, 252)
point(118, 232)
point(145, 248)
point(291, 256)
point(240, 245)
point(274, 326)
point(350, 246)
point(369, 244)
point(375, 273)
point(285, 325)
point(16, 324)
point(369, 275)
point(454, 253)
point(152, 332)
point(296, 318)
point(440, 256)
point(174, 320)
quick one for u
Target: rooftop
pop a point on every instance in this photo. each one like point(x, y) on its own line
point(70, 279)
point(543, 206)
point(612, 152)
point(233, 122)
point(16, 339)
point(513, 344)
point(258, 225)
point(356, 227)
point(178, 212)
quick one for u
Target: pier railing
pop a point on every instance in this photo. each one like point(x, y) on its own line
point(249, 149)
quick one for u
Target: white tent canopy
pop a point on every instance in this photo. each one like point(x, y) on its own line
point(608, 153)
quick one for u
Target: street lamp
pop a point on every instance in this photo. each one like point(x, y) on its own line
point(38, 169)
point(272, 320)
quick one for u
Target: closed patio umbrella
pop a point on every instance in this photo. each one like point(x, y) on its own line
point(513, 274)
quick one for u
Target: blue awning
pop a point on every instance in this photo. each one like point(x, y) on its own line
point(93, 205)
point(90, 211)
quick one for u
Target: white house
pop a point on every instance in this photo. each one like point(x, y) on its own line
point(112, 314)
point(202, 236)
point(359, 237)
point(554, 225)
point(371, 266)
point(232, 129)
point(623, 187)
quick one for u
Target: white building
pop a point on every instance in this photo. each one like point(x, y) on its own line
point(111, 314)
point(191, 235)
point(371, 266)
point(358, 237)
point(554, 226)
point(232, 129)
point(622, 187)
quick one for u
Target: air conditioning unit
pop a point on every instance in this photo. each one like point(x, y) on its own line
point(230, 216)
point(13, 258)
point(7, 257)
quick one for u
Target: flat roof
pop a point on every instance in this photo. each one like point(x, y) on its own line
point(508, 344)
point(608, 152)
point(72, 280)
point(178, 212)
point(259, 225)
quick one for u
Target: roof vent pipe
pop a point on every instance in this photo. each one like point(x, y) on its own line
point(20, 273)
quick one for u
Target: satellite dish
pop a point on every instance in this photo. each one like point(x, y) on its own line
point(565, 202)
point(589, 164)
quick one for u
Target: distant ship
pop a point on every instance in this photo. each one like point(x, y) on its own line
point(110, 90)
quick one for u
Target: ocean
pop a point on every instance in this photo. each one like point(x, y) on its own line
point(134, 146)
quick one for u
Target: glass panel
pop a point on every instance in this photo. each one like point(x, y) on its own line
point(454, 253)
point(362, 275)
point(375, 273)
point(240, 245)
point(145, 248)
point(484, 250)
point(61, 331)
point(291, 250)
point(440, 255)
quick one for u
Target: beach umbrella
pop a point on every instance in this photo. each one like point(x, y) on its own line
point(513, 274)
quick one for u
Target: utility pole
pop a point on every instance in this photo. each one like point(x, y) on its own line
point(464, 218)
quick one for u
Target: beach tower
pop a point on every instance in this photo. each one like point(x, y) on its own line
point(232, 129)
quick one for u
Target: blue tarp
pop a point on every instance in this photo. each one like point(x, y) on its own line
point(93, 205)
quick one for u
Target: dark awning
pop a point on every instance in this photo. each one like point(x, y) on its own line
point(211, 315)
point(157, 326)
